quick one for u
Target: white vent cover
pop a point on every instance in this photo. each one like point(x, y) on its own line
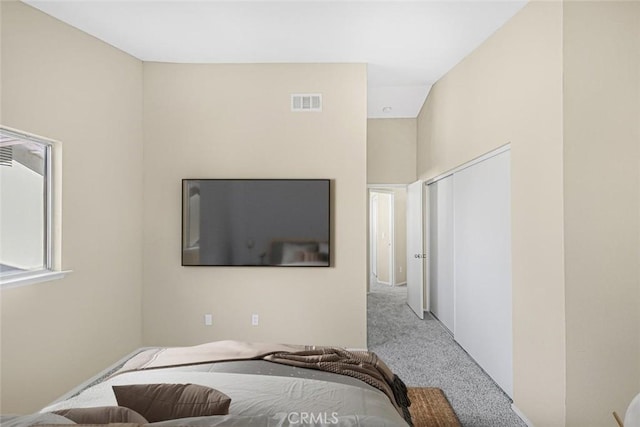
point(306, 102)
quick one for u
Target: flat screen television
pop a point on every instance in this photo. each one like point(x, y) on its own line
point(256, 222)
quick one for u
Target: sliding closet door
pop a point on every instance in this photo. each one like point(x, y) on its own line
point(441, 283)
point(482, 256)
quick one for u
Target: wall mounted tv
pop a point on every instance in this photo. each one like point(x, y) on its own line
point(256, 222)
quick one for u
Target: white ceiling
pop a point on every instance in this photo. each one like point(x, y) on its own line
point(408, 45)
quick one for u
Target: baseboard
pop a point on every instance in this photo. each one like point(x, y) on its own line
point(519, 413)
point(401, 283)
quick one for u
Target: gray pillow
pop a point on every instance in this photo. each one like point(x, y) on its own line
point(160, 402)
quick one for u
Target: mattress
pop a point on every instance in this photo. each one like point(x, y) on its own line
point(262, 394)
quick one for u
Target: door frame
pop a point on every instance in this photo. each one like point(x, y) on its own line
point(385, 189)
point(373, 233)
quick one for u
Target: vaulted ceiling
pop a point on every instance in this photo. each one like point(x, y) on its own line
point(408, 45)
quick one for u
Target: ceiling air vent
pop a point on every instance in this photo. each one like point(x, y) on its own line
point(6, 155)
point(306, 102)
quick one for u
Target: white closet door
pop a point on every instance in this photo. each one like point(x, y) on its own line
point(441, 285)
point(415, 249)
point(482, 256)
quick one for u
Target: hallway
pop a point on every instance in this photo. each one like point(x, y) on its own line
point(424, 354)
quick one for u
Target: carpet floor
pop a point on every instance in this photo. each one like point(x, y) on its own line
point(423, 354)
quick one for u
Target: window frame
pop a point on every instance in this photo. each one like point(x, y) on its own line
point(52, 214)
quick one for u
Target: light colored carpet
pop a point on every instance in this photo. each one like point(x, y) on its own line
point(423, 354)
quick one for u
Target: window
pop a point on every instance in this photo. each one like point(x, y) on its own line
point(27, 249)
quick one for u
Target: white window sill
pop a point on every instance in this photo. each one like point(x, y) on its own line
point(17, 280)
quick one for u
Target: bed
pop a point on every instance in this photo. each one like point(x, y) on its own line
point(260, 384)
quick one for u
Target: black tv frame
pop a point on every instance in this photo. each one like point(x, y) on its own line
point(329, 222)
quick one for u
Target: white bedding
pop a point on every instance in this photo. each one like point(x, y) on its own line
point(270, 400)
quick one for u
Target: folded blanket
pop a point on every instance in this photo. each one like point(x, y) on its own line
point(363, 365)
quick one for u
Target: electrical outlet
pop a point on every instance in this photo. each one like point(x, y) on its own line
point(255, 319)
point(208, 320)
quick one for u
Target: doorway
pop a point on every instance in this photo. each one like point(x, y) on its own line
point(386, 260)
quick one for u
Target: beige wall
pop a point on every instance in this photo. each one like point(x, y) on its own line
point(510, 90)
point(391, 151)
point(218, 121)
point(602, 208)
point(209, 121)
point(61, 83)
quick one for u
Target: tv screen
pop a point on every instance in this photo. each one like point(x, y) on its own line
point(256, 222)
